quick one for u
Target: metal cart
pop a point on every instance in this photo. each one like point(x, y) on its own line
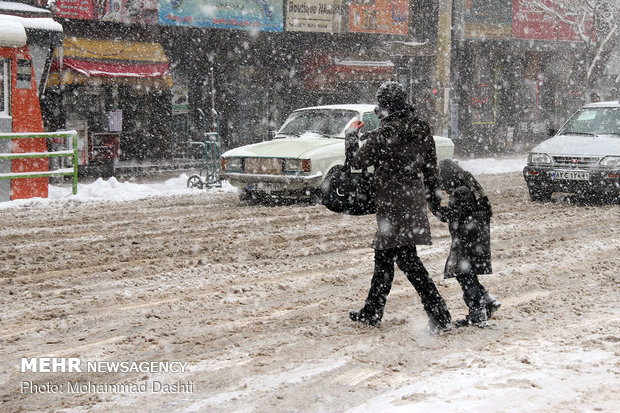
point(211, 166)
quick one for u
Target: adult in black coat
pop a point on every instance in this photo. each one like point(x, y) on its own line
point(402, 152)
point(468, 215)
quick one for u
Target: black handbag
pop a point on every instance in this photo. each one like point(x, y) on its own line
point(346, 192)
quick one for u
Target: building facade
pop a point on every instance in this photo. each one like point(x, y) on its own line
point(515, 75)
point(148, 77)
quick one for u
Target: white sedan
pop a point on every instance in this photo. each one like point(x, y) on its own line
point(308, 146)
point(583, 157)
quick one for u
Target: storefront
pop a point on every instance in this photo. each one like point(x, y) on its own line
point(507, 68)
point(117, 94)
point(251, 64)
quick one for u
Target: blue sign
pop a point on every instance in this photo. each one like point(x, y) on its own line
point(262, 15)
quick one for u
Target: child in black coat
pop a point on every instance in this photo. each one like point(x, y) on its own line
point(468, 215)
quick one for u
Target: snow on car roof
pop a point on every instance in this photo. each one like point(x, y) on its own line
point(358, 107)
point(609, 104)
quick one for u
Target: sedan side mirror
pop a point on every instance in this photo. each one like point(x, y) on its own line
point(552, 131)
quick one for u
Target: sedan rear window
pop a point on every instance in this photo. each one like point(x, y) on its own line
point(323, 121)
point(593, 121)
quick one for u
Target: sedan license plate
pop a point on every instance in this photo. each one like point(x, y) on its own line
point(570, 175)
point(264, 187)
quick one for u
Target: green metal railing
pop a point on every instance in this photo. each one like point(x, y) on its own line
point(43, 174)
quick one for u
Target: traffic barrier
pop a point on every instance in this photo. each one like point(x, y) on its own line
point(26, 155)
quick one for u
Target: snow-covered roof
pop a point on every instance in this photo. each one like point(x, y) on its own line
point(12, 34)
point(20, 8)
point(32, 23)
point(364, 63)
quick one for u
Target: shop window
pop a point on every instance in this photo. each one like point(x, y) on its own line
point(24, 73)
point(4, 88)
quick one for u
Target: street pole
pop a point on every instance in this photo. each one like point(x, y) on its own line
point(444, 39)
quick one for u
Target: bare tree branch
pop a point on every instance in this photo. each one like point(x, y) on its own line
point(595, 22)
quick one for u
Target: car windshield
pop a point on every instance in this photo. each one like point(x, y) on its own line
point(328, 122)
point(593, 121)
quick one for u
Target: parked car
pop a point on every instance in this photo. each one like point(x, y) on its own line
point(308, 146)
point(583, 157)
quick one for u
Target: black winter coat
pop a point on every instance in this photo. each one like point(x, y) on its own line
point(402, 152)
point(469, 216)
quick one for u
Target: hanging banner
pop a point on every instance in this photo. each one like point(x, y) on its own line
point(487, 19)
point(320, 16)
point(533, 25)
point(379, 16)
point(261, 15)
point(122, 11)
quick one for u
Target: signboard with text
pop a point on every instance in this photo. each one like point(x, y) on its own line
point(534, 25)
point(319, 16)
point(379, 16)
point(260, 15)
point(121, 11)
point(487, 19)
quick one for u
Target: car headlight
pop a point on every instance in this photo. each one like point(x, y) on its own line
point(296, 165)
point(538, 159)
point(611, 161)
point(232, 164)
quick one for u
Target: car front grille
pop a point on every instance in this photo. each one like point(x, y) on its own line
point(575, 160)
point(263, 166)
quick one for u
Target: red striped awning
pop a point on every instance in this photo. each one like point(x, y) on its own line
point(116, 69)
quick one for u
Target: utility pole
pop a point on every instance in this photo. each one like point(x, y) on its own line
point(444, 43)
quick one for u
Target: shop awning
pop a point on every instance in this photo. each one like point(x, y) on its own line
point(327, 73)
point(111, 61)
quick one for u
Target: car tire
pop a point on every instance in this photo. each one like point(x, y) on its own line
point(249, 197)
point(539, 193)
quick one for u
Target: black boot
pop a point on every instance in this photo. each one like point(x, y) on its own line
point(477, 317)
point(364, 317)
point(439, 320)
point(492, 305)
point(434, 327)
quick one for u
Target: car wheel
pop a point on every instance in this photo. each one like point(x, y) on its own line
point(249, 197)
point(195, 181)
point(539, 193)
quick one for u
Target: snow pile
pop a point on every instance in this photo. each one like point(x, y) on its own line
point(494, 166)
point(115, 191)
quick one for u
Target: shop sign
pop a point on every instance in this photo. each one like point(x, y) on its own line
point(324, 16)
point(532, 25)
point(379, 16)
point(122, 11)
point(115, 120)
point(487, 19)
point(326, 73)
point(180, 100)
point(261, 15)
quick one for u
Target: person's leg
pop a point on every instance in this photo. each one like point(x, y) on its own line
point(473, 295)
point(408, 261)
point(491, 304)
point(380, 287)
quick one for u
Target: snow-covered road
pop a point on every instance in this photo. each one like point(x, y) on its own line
point(255, 300)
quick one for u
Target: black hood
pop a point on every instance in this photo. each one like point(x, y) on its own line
point(452, 176)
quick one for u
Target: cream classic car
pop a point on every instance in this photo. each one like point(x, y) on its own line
point(308, 146)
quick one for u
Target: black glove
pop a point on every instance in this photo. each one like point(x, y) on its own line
point(433, 198)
